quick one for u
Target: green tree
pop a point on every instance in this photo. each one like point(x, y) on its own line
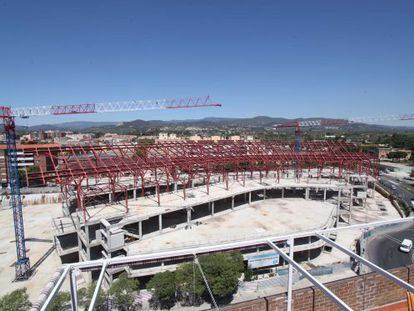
point(162, 285)
point(248, 275)
point(190, 284)
point(405, 140)
point(85, 296)
point(122, 289)
point(61, 300)
point(222, 272)
point(397, 155)
point(17, 300)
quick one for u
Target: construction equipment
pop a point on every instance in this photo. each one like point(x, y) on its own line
point(8, 114)
point(298, 124)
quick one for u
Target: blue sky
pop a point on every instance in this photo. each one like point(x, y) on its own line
point(277, 58)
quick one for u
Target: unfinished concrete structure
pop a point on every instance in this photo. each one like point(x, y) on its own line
point(116, 196)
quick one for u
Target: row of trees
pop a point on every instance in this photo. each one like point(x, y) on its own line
point(185, 285)
point(119, 296)
point(397, 155)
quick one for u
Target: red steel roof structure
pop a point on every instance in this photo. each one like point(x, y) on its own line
point(93, 169)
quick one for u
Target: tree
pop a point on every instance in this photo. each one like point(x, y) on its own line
point(85, 296)
point(397, 155)
point(17, 300)
point(122, 289)
point(190, 284)
point(412, 173)
point(60, 301)
point(222, 272)
point(162, 285)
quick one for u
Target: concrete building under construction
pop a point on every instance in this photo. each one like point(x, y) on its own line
point(121, 200)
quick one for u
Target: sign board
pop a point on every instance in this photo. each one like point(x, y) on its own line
point(263, 260)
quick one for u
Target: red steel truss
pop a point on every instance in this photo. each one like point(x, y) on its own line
point(90, 170)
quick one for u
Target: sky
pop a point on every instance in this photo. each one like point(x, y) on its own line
point(277, 58)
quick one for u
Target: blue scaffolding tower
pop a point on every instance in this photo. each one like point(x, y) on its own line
point(22, 264)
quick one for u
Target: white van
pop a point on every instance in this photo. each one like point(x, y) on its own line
point(406, 245)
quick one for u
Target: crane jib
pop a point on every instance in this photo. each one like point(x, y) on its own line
point(73, 109)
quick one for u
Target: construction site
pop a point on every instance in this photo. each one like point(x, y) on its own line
point(145, 208)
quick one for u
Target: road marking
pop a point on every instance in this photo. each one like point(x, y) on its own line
point(392, 238)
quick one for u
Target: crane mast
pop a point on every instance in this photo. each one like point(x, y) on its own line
point(8, 114)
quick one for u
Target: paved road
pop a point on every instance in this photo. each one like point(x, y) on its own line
point(401, 192)
point(382, 247)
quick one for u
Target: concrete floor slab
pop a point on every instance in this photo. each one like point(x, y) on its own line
point(269, 217)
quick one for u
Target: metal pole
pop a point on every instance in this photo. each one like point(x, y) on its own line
point(205, 281)
point(98, 286)
point(73, 289)
point(342, 305)
point(290, 275)
point(56, 288)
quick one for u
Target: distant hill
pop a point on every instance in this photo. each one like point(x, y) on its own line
point(254, 124)
point(75, 125)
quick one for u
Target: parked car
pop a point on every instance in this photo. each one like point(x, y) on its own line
point(406, 245)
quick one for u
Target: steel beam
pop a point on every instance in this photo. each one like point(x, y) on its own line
point(56, 288)
point(98, 286)
point(73, 289)
point(342, 305)
point(291, 244)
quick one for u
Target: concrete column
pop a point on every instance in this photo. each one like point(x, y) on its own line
point(283, 193)
point(160, 222)
point(264, 194)
point(86, 228)
point(337, 207)
point(324, 194)
point(175, 187)
point(111, 199)
point(135, 194)
point(140, 229)
point(250, 198)
point(306, 193)
point(212, 208)
point(192, 184)
point(232, 202)
point(188, 216)
point(351, 198)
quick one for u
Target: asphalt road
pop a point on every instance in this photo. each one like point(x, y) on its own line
point(382, 247)
point(401, 192)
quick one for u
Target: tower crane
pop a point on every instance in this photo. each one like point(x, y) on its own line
point(8, 115)
point(298, 124)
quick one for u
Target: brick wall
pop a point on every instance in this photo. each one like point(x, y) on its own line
point(363, 292)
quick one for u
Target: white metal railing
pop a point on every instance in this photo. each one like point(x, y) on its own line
point(48, 295)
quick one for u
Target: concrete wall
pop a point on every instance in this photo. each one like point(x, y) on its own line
point(363, 292)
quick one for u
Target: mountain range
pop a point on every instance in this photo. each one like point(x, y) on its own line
point(254, 123)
